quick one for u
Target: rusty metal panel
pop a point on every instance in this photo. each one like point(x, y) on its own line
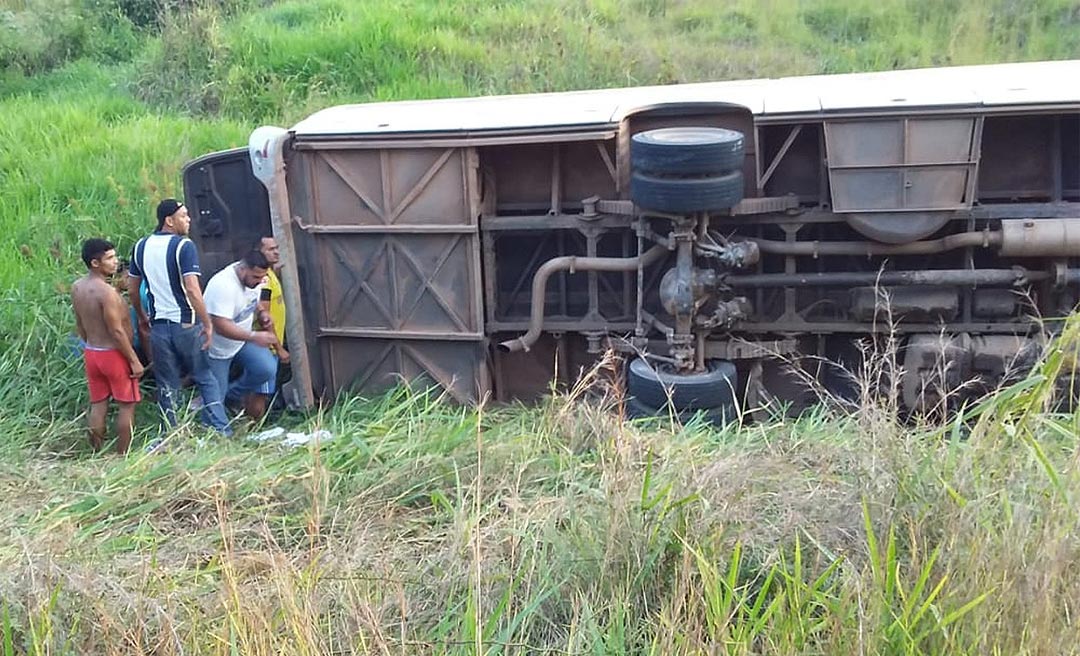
point(871, 143)
point(371, 365)
point(867, 190)
point(416, 282)
point(933, 141)
point(531, 181)
point(420, 186)
point(904, 164)
point(941, 187)
point(395, 256)
point(588, 169)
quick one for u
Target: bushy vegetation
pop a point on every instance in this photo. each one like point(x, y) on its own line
point(424, 528)
point(279, 61)
point(37, 36)
point(293, 57)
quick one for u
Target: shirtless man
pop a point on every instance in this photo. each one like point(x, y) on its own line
point(112, 367)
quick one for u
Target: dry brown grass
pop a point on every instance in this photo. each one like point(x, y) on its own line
point(569, 530)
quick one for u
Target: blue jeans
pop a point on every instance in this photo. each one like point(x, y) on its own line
point(178, 349)
point(258, 372)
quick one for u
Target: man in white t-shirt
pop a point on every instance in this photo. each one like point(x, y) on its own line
point(232, 298)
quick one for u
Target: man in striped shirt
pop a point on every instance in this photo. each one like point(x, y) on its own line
point(180, 328)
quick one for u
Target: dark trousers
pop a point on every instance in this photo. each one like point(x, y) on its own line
point(178, 348)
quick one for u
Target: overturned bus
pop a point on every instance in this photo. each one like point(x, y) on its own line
point(714, 233)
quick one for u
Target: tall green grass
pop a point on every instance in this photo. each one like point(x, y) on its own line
point(283, 62)
point(77, 160)
point(427, 528)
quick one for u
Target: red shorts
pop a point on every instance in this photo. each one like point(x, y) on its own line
point(109, 374)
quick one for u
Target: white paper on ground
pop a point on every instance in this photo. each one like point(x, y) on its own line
point(278, 434)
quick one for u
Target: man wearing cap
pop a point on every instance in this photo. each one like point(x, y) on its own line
point(180, 328)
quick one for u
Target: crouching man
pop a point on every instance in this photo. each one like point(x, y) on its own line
point(232, 298)
point(112, 367)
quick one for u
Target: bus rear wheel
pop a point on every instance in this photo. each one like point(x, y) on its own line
point(658, 391)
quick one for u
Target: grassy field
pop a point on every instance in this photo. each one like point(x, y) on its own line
point(426, 528)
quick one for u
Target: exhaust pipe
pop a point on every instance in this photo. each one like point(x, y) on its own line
point(1017, 238)
point(989, 239)
point(573, 264)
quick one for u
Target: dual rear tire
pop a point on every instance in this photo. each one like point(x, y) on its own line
point(686, 169)
point(657, 391)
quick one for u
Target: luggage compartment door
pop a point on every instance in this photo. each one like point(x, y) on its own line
point(389, 250)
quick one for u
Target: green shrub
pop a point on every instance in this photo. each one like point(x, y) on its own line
point(41, 35)
point(179, 69)
point(37, 36)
